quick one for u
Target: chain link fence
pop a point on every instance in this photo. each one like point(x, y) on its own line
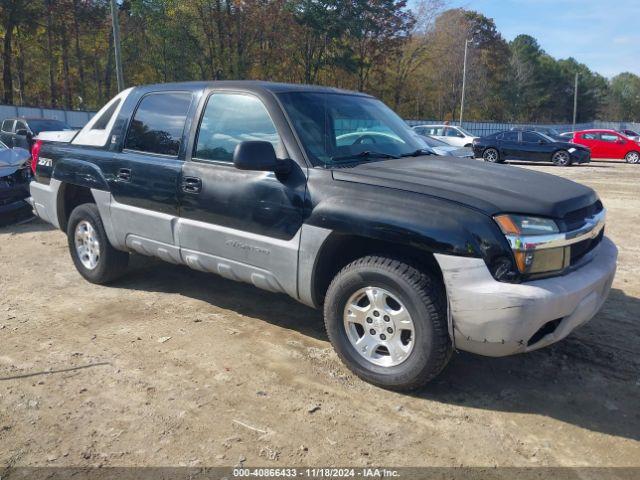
point(78, 118)
point(481, 129)
point(74, 118)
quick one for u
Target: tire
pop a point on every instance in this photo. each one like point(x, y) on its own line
point(110, 263)
point(409, 291)
point(561, 158)
point(632, 157)
point(491, 155)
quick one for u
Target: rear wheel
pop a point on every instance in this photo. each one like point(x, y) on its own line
point(491, 155)
point(561, 158)
point(632, 157)
point(94, 257)
point(388, 322)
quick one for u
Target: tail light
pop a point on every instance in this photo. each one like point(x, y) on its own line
point(35, 153)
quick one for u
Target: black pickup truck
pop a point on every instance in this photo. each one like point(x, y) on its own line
point(328, 196)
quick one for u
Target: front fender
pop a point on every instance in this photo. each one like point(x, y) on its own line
point(420, 221)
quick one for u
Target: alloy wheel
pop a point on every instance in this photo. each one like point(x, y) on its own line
point(379, 327)
point(87, 245)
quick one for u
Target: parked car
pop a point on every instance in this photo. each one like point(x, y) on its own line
point(451, 134)
point(20, 132)
point(608, 144)
point(631, 134)
point(409, 256)
point(548, 131)
point(444, 149)
point(14, 182)
point(530, 146)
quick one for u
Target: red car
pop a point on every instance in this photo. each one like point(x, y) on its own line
point(608, 144)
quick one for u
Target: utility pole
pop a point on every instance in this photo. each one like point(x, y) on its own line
point(116, 44)
point(464, 78)
point(575, 101)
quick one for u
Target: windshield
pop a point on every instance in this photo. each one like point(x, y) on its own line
point(546, 137)
point(462, 130)
point(335, 128)
point(38, 126)
point(434, 142)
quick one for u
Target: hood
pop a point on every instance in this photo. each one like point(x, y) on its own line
point(11, 159)
point(491, 188)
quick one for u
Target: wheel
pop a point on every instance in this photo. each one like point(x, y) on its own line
point(94, 257)
point(387, 321)
point(561, 158)
point(491, 155)
point(632, 157)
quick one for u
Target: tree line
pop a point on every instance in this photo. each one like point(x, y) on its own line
point(59, 53)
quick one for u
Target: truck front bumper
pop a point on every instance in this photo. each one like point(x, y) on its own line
point(497, 319)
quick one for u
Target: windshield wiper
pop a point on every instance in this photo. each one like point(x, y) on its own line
point(418, 153)
point(363, 155)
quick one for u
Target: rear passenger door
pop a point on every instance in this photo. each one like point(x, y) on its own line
point(244, 225)
point(144, 175)
point(509, 146)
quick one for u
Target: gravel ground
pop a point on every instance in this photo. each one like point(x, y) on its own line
point(174, 367)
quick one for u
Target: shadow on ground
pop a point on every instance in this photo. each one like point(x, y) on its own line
point(591, 379)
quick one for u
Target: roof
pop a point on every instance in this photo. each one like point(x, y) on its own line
point(609, 130)
point(250, 85)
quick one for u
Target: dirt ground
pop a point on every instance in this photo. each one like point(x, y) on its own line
point(174, 367)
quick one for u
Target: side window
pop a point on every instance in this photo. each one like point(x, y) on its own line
point(420, 130)
point(609, 137)
point(510, 136)
point(590, 136)
point(7, 126)
point(530, 137)
point(436, 131)
point(158, 123)
point(231, 118)
point(102, 122)
point(452, 132)
point(20, 125)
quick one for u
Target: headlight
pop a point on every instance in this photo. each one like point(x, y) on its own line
point(525, 235)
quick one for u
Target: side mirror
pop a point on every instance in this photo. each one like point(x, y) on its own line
point(541, 142)
point(259, 156)
point(621, 141)
point(23, 132)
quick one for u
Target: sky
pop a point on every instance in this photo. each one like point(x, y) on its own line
point(602, 34)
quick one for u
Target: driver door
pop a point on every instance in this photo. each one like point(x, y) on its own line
point(244, 225)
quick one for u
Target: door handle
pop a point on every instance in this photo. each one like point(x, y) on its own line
point(191, 185)
point(124, 175)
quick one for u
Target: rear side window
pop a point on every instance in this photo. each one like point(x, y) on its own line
point(7, 126)
point(102, 122)
point(158, 123)
point(510, 136)
point(231, 118)
point(590, 136)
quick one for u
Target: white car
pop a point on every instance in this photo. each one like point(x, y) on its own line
point(451, 134)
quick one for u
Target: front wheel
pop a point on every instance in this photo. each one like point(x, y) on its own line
point(387, 321)
point(94, 257)
point(561, 158)
point(632, 157)
point(491, 155)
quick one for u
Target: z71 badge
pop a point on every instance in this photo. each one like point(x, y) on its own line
point(45, 162)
